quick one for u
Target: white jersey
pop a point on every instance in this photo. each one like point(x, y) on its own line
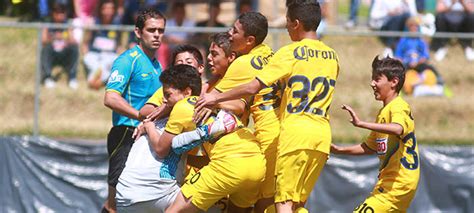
point(146, 176)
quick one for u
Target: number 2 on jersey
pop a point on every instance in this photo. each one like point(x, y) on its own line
point(306, 104)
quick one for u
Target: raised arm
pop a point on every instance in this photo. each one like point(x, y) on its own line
point(390, 128)
point(244, 90)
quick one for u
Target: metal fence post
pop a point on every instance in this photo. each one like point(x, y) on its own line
point(37, 84)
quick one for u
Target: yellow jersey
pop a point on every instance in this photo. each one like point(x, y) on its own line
point(244, 70)
point(157, 97)
point(241, 143)
point(399, 161)
point(309, 69)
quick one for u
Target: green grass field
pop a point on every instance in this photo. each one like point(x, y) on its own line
point(66, 113)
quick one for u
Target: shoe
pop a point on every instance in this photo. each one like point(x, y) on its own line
point(387, 52)
point(350, 24)
point(73, 84)
point(440, 54)
point(49, 83)
point(469, 53)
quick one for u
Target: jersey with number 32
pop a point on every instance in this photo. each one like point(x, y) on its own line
point(399, 160)
point(309, 68)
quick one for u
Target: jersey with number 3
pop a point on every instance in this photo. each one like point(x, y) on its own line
point(399, 160)
point(309, 69)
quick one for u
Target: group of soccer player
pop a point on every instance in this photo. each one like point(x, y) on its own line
point(193, 149)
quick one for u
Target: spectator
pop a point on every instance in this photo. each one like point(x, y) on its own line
point(454, 16)
point(421, 77)
point(59, 48)
point(354, 9)
point(179, 20)
point(84, 16)
point(100, 47)
point(245, 6)
point(203, 38)
point(390, 15)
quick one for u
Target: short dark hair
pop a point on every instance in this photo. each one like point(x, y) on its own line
point(146, 14)
point(222, 40)
point(187, 48)
point(391, 68)
point(59, 8)
point(254, 24)
point(181, 77)
point(307, 12)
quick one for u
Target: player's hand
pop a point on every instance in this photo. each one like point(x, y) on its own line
point(354, 119)
point(206, 100)
point(201, 114)
point(139, 131)
point(157, 112)
point(334, 149)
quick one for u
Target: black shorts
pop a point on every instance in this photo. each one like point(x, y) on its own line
point(119, 143)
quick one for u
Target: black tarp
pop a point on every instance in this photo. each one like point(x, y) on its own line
point(46, 175)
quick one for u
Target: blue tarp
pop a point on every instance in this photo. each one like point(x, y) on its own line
point(46, 175)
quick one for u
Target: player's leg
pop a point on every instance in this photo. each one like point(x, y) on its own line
point(295, 183)
point(268, 144)
point(251, 173)
point(119, 143)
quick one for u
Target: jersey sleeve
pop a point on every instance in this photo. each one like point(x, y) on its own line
point(371, 141)
point(180, 118)
point(279, 67)
point(400, 115)
point(238, 73)
point(157, 98)
point(120, 76)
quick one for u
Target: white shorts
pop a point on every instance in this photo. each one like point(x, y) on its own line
point(156, 205)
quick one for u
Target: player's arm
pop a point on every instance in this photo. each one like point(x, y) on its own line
point(117, 103)
point(161, 143)
point(359, 149)
point(389, 128)
point(244, 90)
point(224, 123)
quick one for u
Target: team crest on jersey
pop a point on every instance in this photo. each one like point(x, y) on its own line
point(258, 62)
point(115, 77)
point(192, 100)
point(134, 53)
point(305, 53)
point(381, 145)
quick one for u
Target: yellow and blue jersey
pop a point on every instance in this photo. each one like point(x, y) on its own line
point(399, 160)
point(241, 143)
point(135, 77)
point(309, 69)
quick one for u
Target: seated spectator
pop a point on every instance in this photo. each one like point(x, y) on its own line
point(59, 48)
point(421, 78)
point(390, 15)
point(178, 20)
point(454, 16)
point(100, 47)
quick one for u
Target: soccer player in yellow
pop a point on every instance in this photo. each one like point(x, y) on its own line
point(309, 69)
point(247, 35)
point(237, 166)
point(392, 139)
point(182, 54)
